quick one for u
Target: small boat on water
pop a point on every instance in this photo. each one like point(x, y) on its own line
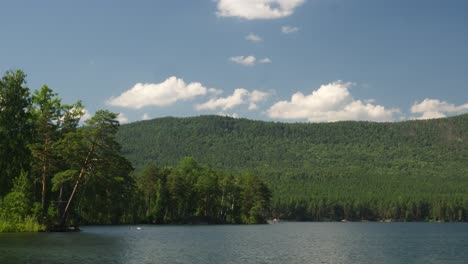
point(274, 221)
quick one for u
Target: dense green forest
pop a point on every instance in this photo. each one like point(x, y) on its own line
point(191, 193)
point(406, 171)
point(59, 171)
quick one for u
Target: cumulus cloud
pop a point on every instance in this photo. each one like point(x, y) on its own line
point(165, 93)
point(246, 61)
point(257, 9)
point(122, 118)
point(434, 108)
point(254, 38)
point(256, 97)
point(289, 29)
point(249, 60)
point(265, 60)
point(331, 102)
point(239, 96)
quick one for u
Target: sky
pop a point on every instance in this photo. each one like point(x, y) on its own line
point(274, 60)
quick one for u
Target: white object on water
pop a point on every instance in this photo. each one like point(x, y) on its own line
point(138, 228)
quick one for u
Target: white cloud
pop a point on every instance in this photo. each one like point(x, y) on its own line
point(165, 93)
point(246, 61)
point(249, 60)
point(431, 115)
point(240, 96)
point(254, 38)
point(289, 29)
point(237, 98)
point(256, 97)
point(434, 108)
point(257, 9)
point(145, 116)
point(331, 102)
point(234, 115)
point(122, 118)
point(265, 60)
point(86, 115)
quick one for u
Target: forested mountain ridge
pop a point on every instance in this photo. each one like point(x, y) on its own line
point(407, 170)
point(167, 140)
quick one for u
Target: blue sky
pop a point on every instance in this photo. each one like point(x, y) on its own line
point(305, 60)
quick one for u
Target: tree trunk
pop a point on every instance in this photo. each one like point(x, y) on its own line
point(75, 188)
point(61, 192)
point(44, 172)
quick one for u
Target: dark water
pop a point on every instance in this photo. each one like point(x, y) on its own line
point(277, 243)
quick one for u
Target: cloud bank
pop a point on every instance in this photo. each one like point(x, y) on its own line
point(257, 9)
point(165, 93)
point(331, 102)
point(434, 108)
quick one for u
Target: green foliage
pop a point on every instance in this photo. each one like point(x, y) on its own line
point(407, 171)
point(15, 128)
point(29, 224)
point(191, 193)
point(16, 214)
point(97, 176)
point(70, 174)
point(63, 177)
point(255, 199)
point(17, 205)
point(47, 117)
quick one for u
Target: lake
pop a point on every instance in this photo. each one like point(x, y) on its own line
point(275, 243)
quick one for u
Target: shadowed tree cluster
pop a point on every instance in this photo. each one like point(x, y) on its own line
point(53, 169)
point(190, 193)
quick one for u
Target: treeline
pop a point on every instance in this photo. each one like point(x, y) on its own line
point(406, 171)
point(190, 193)
point(374, 208)
point(58, 170)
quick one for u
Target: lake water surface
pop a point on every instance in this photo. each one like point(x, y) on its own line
point(276, 243)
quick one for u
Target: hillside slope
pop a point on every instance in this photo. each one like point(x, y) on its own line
point(421, 164)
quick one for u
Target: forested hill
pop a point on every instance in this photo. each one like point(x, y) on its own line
point(397, 164)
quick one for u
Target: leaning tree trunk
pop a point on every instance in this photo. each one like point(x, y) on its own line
point(75, 188)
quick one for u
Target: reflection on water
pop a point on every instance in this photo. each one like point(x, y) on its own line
point(277, 243)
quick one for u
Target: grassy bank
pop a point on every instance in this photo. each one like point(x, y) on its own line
point(29, 224)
